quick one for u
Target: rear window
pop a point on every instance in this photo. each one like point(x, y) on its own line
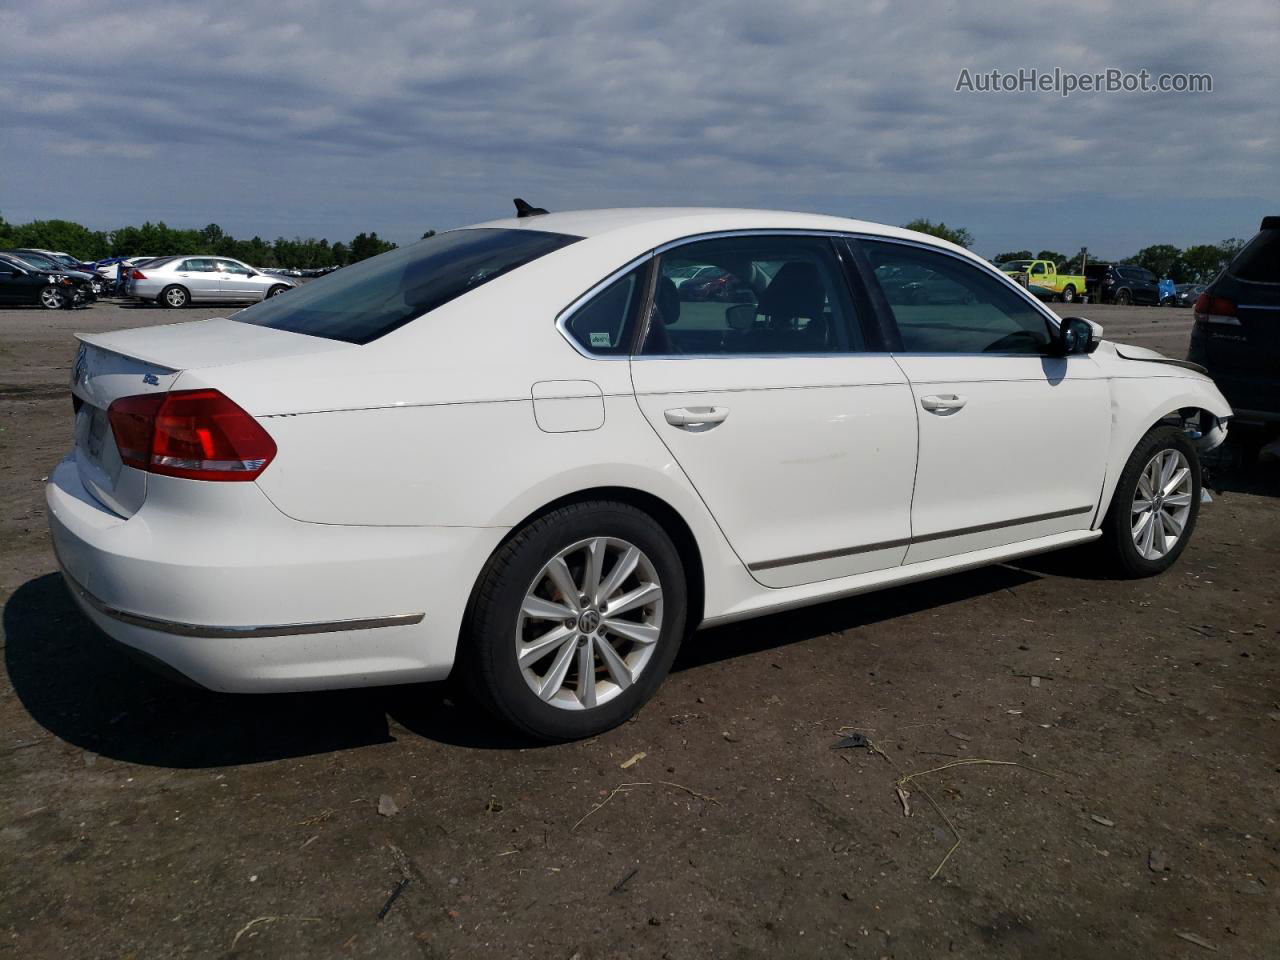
point(360, 303)
point(1259, 261)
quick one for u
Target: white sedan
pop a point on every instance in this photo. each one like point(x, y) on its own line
point(514, 451)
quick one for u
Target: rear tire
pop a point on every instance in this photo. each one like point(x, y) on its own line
point(51, 298)
point(174, 296)
point(523, 646)
point(1124, 298)
point(1068, 294)
point(1153, 504)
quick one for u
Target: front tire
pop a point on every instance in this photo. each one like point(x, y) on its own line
point(51, 298)
point(575, 621)
point(1154, 508)
point(275, 291)
point(174, 296)
point(1124, 298)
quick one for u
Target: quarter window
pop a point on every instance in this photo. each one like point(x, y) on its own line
point(749, 296)
point(943, 305)
point(603, 325)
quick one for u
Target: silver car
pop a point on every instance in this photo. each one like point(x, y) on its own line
point(178, 281)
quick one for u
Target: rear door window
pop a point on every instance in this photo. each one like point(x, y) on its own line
point(752, 296)
point(367, 300)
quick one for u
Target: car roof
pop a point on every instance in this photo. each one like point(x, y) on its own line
point(662, 224)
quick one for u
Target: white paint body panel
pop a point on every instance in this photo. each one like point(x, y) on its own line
point(402, 464)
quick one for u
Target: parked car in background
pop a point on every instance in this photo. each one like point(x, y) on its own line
point(49, 261)
point(1185, 294)
point(514, 452)
point(22, 282)
point(179, 281)
point(1121, 283)
point(1043, 275)
point(1236, 335)
point(1167, 291)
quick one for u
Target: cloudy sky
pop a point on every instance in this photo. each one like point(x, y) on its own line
point(292, 118)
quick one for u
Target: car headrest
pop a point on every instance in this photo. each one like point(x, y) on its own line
point(667, 301)
point(796, 291)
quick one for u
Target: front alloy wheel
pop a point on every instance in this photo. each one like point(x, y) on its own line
point(575, 620)
point(1161, 504)
point(1154, 508)
point(51, 298)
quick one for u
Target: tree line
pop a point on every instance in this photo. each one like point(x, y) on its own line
point(159, 239)
point(1195, 264)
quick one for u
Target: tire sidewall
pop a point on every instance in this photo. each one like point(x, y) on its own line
point(496, 610)
point(1119, 520)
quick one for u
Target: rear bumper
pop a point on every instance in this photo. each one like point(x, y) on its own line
point(241, 598)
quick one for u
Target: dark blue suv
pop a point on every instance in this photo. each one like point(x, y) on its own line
point(1236, 336)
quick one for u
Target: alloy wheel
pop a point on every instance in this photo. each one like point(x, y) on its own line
point(175, 297)
point(51, 298)
point(589, 623)
point(1162, 503)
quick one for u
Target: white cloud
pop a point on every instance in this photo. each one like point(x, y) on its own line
point(394, 115)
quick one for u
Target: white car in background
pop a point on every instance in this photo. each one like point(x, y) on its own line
point(180, 281)
point(512, 450)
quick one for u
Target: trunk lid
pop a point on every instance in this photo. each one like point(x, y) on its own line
point(109, 366)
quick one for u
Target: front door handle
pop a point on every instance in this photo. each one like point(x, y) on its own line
point(696, 416)
point(943, 404)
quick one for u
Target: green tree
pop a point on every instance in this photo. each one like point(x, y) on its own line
point(957, 235)
point(1205, 261)
point(1162, 259)
point(1012, 255)
point(367, 245)
point(1053, 256)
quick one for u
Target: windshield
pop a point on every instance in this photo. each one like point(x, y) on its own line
point(369, 299)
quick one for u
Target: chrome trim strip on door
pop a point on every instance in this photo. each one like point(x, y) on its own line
point(179, 629)
point(928, 538)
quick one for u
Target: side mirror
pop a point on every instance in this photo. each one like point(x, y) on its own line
point(1076, 335)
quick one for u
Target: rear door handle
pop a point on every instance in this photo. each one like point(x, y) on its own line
point(696, 416)
point(943, 403)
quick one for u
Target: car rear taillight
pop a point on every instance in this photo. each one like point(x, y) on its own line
point(194, 434)
point(137, 275)
point(1220, 310)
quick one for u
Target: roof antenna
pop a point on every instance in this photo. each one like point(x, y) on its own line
point(524, 210)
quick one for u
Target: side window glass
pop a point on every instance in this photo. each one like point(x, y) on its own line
point(198, 266)
point(604, 324)
point(943, 305)
point(749, 296)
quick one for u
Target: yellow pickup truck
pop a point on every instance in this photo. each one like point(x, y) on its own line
point(1043, 279)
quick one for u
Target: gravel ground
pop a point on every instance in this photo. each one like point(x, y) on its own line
point(140, 819)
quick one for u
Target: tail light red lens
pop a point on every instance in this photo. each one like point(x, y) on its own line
point(194, 434)
point(1216, 310)
point(138, 275)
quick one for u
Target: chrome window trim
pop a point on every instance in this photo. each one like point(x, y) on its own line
point(566, 314)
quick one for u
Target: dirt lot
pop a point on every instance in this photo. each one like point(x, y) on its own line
point(141, 819)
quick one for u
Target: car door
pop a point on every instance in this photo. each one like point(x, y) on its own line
point(12, 289)
point(794, 426)
point(1013, 441)
point(238, 282)
point(200, 278)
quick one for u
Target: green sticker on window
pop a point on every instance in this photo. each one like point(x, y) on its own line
point(601, 340)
